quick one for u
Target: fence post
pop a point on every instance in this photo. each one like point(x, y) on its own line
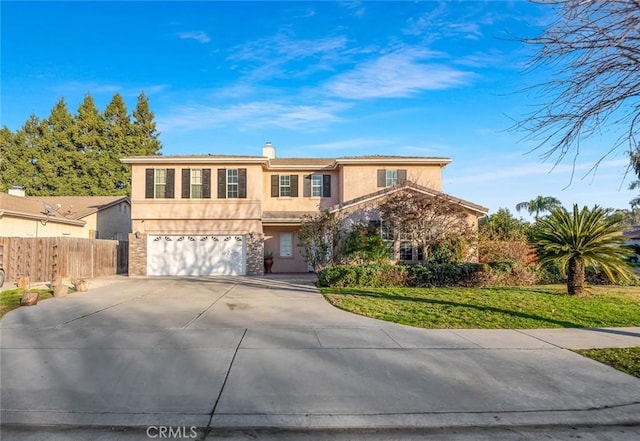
point(54, 262)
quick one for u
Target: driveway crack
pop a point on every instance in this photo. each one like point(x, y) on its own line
point(224, 383)
point(201, 313)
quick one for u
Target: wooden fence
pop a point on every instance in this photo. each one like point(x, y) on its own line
point(46, 257)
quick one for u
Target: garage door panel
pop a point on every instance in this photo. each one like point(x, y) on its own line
point(195, 255)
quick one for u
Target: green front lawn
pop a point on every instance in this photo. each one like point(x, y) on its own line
point(624, 359)
point(10, 299)
point(493, 308)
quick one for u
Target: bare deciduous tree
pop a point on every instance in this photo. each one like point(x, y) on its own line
point(427, 219)
point(592, 51)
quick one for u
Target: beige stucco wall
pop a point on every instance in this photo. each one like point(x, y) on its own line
point(294, 264)
point(299, 203)
point(254, 179)
point(360, 180)
point(18, 227)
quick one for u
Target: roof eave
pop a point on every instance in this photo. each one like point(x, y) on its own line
point(193, 160)
point(42, 217)
point(394, 160)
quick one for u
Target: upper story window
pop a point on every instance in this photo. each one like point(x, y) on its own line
point(196, 183)
point(391, 177)
point(232, 183)
point(159, 183)
point(284, 186)
point(317, 186)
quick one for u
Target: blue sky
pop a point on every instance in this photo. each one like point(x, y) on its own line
point(322, 79)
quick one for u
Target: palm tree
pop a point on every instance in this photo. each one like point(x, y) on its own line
point(539, 205)
point(584, 238)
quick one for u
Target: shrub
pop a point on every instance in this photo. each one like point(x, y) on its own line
point(365, 245)
point(446, 274)
point(375, 276)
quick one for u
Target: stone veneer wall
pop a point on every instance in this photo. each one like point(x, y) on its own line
point(137, 255)
point(255, 255)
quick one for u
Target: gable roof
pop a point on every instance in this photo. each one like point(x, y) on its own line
point(408, 185)
point(71, 208)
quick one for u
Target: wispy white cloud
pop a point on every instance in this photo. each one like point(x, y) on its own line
point(272, 57)
point(249, 115)
point(200, 36)
point(357, 7)
point(535, 169)
point(398, 74)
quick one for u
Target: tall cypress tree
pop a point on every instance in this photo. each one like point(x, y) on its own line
point(10, 161)
point(120, 142)
point(29, 156)
point(144, 129)
point(89, 140)
point(57, 163)
point(78, 155)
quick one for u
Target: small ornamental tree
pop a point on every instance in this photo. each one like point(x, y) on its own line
point(429, 220)
point(322, 239)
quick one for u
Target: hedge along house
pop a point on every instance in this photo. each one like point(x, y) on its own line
point(220, 214)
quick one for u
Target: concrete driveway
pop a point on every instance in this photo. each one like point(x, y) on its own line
point(250, 352)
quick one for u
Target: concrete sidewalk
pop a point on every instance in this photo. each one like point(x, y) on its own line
point(252, 353)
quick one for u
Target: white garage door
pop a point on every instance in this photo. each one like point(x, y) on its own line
point(195, 255)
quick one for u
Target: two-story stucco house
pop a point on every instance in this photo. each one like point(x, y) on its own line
point(215, 214)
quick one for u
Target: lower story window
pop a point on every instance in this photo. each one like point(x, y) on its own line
point(286, 245)
point(406, 250)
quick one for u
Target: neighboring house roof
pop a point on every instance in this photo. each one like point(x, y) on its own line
point(67, 209)
point(408, 185)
